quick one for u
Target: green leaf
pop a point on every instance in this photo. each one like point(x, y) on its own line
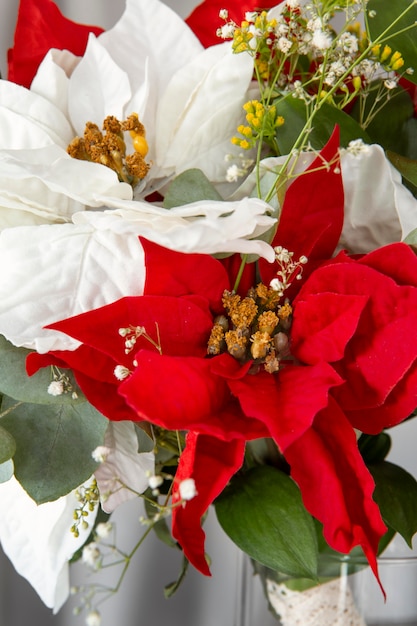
point(374, 448)
point(396, 495)
point(14, 381)
point(294, 112)
point(398, 109)
point(262, 512)
point(190, 186)
point(7, 445)
point(406, 167)
point(6, 471)
point(53, 446)
point(385, 13)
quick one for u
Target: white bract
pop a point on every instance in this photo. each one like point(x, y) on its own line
point(38, 541)
point(188, 98)
point(53, 272)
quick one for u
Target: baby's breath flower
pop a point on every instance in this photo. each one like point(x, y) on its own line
point(390, 83)
point(284, 44)
point(56, 388)
point(234, 173)
point(321, 40)
point(187, 489)
point(121, 372)
point(155, 481)
point(100, 454)
point(104, 529)
point(93, 618)
point(226, 31)
point(357, 147)
point(91, 555)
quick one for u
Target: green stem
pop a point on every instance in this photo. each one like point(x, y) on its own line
point(240, 272)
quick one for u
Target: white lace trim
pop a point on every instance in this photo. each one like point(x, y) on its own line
point(329, 604)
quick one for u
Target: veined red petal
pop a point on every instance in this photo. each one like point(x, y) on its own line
point(397, 260)
point(384, 346)
point(211, 463)
point(311, 219)
point(83, 359)
point(335, 484)
point(323, 323)
point(398, 405)
point(172, 273)
point(287, 402)
point(40, 27)
point(180, 325)
point(182, 393)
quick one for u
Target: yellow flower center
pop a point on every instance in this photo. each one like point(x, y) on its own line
point(109, 148)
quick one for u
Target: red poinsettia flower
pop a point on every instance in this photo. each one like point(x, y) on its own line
point(40, 27)
point(204, 21)
point(223, 403)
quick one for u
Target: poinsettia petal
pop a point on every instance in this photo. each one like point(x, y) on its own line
point(312, 214)
point(194, 274)
point(136, 29)
point(211, 463)
point(379, 209)
point(398, 261)
point(385, 333)
point(193, 397)
point(38, 541)
point(200, 110)
point(397, 406)
point(29, 121)
point(41, 26)
point(42, 186)
point(335, 484)
point(33, 258)
point(286, 403)
point(52, 79)
point(323, 324)
point(124, 472)
point(109, 88)
point(180, 325)
point(206, 226)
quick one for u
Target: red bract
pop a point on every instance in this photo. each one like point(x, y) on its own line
point(311, 219)
point(204, 20)
point(40, 27)
point(361, 316)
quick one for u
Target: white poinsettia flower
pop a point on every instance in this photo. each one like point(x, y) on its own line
point(38, 541)
point(125, 469)
point(188, 98)
point(51, 272)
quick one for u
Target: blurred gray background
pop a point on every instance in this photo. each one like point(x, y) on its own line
point(200, 601)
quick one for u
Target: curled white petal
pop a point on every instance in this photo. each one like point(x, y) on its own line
point(378, 208)
point(38, 541)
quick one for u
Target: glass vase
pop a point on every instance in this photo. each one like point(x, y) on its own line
point(348, 594)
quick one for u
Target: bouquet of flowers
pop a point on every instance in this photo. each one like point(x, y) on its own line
point(208, 275)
